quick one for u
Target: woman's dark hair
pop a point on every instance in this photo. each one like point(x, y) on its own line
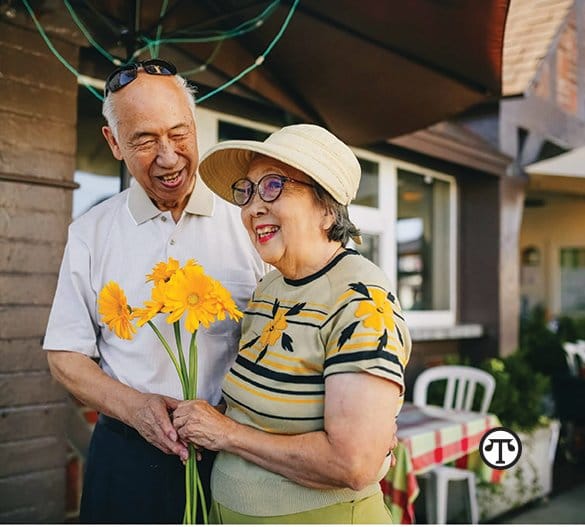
point(342, 229)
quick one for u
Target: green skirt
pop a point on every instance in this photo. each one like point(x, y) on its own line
point(371, 510)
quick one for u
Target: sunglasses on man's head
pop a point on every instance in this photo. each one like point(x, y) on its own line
point(269, 188)
point(124, 75)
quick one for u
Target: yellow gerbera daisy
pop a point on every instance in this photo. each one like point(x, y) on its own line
point(273, 330)
point(163, 271)
point(226, 304)
point(115, 312)
point(190, 290)
point(378, 311)
point(153, 306)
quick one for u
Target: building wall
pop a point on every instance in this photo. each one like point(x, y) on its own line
point(557, 224)
point(479, 273)
point(37, 162)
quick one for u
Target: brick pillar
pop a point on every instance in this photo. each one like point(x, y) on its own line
point(38, 107)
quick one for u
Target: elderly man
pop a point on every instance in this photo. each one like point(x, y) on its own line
point(134, 472)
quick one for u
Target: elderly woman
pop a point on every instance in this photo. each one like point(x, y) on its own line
point(313, 394)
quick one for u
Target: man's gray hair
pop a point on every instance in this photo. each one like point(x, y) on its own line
point(109, 111)
point(342, 229)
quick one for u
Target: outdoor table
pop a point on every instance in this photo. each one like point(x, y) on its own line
point(428, 437)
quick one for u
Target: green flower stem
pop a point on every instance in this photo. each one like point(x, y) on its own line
point(172, 356)
point(193, 366)
point(202, 496)
point(192, 475)
point(193, 478)
point(185, 376)
point(188, 519)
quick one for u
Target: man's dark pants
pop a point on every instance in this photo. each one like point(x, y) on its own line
point(127, 480)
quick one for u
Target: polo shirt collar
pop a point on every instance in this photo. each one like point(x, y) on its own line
point(143, 209)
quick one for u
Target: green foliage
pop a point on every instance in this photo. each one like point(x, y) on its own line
point(541, 347)
point(523, 379)
point(520, 391)
point(571, 329)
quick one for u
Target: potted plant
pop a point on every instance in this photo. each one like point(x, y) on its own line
point(520, 402)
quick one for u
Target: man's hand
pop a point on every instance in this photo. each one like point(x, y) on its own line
point(151, 419)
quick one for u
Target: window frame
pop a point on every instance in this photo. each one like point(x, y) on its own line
point(446, 317)
point(380, 221)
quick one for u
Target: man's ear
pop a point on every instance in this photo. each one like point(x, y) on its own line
point(112, 142)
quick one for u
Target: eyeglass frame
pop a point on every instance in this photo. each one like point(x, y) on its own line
point(256, 187)
point(134, 67)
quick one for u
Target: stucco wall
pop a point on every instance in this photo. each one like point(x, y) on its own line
point(558, 223)
point(37, 162)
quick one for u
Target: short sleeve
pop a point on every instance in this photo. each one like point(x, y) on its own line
point(72, 322)
point(367, 334)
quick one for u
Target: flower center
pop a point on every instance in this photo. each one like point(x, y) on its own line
point(380, 309)
point(193, 299)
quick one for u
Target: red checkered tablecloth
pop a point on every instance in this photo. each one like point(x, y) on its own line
point(428, 437)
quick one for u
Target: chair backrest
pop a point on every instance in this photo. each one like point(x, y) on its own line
point(575, 353)
point(460, 390)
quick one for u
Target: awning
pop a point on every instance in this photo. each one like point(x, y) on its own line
point(368, 70)
point(564, 173)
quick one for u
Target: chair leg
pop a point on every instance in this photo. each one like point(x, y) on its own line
point(473, 508)
point(430, 498)
point(441, 485)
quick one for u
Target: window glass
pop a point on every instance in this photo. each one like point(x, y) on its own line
point(368, 248)
point(423, 239)
point(573, 281)
point(367, 194)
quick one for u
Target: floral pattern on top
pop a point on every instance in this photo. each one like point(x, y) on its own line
point(377, 309)
point(274, 329)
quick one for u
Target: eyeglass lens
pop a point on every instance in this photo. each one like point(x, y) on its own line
point(269, 188)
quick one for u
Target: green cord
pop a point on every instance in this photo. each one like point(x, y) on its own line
point(257, 62)
point(56, 53)
point(88, 36)
point(163, 11)
point(215, 36)
point(153, 45)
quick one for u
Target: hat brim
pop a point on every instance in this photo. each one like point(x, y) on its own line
point(227, 162)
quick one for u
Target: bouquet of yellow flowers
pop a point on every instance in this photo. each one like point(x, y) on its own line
point(181, 292)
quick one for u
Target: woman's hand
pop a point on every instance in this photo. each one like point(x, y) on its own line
point(199, 423)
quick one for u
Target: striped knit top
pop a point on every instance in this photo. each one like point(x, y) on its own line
point(294, 334)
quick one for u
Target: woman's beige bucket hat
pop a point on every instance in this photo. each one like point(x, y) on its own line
point(306, 147)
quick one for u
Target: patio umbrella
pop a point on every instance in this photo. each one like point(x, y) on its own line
point(368, 70)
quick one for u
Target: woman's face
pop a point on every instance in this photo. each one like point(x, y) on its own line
point(289, 233)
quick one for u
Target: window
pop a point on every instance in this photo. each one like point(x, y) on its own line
point(368, 192)
point(573, 281)
point(406, 214)
point(424, 229)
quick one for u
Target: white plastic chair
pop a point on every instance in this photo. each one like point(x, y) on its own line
point(575, 352)
point(459, 395)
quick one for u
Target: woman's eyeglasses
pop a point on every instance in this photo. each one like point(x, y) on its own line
point(124, 75)
point(269, 188)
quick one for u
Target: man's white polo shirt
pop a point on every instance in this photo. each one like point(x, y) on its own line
point(122, 239)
